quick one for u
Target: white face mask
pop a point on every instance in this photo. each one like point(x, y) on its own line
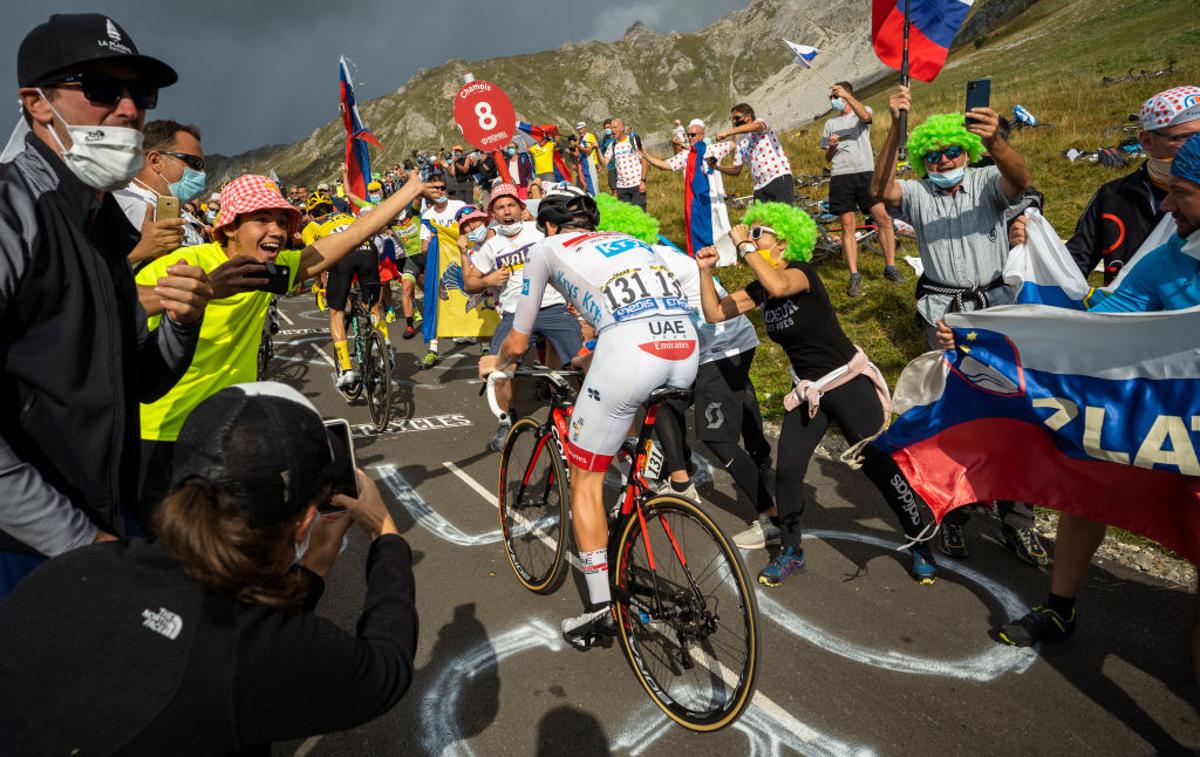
point(510, 229)
point(301, 547)
point(103, 157)
point(477, 234)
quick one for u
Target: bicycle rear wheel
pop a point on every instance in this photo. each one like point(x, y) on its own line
point(533, 501)
point(689, 624)
point(377, 380)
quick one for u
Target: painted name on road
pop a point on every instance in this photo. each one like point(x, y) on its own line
point(409, 425)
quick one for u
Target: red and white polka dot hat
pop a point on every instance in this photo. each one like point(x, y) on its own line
point(1170, 108)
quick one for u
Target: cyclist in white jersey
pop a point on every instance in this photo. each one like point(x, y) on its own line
point(645, 340)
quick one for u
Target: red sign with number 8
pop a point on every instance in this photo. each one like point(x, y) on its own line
point(485, 115)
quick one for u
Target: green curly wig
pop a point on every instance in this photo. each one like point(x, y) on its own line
point(627, 219)
point(791, 224)
point(942, 130)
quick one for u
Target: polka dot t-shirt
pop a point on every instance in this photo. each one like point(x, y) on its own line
point(765, 155)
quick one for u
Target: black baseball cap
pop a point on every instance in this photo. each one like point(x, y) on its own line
point(262, 445)
point(68, 40)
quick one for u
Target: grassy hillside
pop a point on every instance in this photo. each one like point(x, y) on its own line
point(1051, 59)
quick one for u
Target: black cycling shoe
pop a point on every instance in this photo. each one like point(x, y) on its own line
point(1041, 624)
point(1026, 543)
point(586, 630)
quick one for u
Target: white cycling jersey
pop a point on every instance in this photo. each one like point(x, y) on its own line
point(717, 340)
point(610, 278)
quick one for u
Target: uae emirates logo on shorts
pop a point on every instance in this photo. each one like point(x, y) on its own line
point(670, 349)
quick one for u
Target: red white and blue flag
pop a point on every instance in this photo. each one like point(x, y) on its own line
point(1095, 414)
point(933, 26)
point(358, 160)
point(704, 213)
point(804, 53)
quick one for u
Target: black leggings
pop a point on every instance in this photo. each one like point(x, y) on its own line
point(671, 425)
point(855, 408)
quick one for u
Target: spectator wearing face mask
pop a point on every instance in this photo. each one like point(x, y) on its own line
point(520, 169)
point(174, 166)
point(960, 215)
point(1124, 211)
point(625, 152)
point(610, 165)
point(75, 354)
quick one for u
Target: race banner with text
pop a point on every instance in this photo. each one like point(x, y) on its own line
point(450, 311)
point(1095, 414)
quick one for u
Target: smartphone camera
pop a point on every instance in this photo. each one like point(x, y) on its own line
point(345, 480)
point(278, 278)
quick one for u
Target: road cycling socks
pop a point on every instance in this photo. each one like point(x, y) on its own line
point(1064, 606)
point(343, 355)
point(381, 327)
point(595, 575)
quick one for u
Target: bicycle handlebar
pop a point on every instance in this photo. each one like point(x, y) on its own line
point(558, 378)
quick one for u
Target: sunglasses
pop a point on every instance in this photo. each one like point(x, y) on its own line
point(194, 162)
point(953, 153)
point(693, 133)
point(103, 89)
point(757, 232)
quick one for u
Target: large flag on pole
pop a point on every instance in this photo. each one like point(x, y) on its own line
point(933, 26)
point(357, 158)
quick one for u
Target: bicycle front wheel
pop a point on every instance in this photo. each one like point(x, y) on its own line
point(377, 380)
point(533, 501)
point(686, 614)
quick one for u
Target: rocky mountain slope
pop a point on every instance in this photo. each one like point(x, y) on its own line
point(648, 78)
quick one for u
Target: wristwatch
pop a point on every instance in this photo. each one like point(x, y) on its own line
point(746, 247)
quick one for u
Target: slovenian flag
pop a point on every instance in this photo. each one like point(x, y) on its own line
point(1093, 414)
point(704, 213)
point(358, 160)
point(804, 53)
point(933, 26)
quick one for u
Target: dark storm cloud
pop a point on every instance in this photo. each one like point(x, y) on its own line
point(253, 73)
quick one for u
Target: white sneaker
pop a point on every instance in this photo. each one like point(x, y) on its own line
point(346, 379)
point(688, 493)
point(758, 535)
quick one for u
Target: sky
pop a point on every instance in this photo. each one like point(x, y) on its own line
point(255, 72)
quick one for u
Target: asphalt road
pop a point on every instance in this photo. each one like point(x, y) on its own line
point(856, 657)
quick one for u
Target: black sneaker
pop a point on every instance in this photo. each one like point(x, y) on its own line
point(1026, 543)
point(855, 288)
point(583, 631)
point(891, 273)
point(1041, 624)
point(952, 540)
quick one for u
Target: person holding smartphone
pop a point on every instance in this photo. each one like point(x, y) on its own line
point(253, 229)
point(960, 215)
point(204, 641)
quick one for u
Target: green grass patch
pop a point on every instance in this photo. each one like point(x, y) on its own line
point(1051, 59)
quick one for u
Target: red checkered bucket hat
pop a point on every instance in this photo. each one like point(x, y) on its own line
point(504, 190)
point(250, 193)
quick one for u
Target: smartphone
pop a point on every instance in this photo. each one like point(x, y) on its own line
point(979, 93)
point(167, 207)
point(341, 441)
point(278, 278)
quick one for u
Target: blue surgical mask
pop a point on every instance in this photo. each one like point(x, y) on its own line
point(511, 151)
point(947, 179)
point(189, 186)
point(608, 132)
point(837, 104)
point(375, 198)
point(477, 234)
